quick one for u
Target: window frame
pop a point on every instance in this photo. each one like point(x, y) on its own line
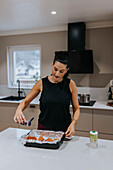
point(10, 65)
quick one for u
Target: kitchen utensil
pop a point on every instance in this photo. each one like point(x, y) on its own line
point(28, 123)
point(84, 98)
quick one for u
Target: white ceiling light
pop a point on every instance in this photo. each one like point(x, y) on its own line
point(53, 12)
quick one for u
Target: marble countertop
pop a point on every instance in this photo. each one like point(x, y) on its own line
point(98, 104)
point(72, 154)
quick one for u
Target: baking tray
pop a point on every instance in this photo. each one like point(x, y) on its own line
point(59, 135)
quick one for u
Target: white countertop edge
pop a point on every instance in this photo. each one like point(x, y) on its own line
point(35, 101)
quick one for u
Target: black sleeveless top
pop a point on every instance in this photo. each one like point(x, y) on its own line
point(54, 104)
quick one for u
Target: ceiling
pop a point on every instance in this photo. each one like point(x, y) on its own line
point(32, 14)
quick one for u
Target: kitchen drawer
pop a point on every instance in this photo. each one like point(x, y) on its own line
point(105, 136)
point(82, 133)
point(103, 121)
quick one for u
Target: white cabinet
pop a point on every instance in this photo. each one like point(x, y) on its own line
point(85, 121)
point(90, 119)
point(105, 136)
point(5, 125)
point(81, 133)
point(7, 111)
point(95, 119)
point(84, 124)
point(103, 123)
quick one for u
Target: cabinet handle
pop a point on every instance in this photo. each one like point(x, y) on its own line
point(32, 106)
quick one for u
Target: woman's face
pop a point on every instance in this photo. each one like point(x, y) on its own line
point(58, 71)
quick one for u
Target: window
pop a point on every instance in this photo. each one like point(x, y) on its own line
point(24, 64)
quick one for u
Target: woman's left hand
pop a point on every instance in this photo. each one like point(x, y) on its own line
point(70, 130)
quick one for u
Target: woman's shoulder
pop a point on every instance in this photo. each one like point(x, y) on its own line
point(39, 83)
point(72, 85)
point(70, 81)
point(44, 78)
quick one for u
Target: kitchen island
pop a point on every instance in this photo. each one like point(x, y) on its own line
point(72, 154)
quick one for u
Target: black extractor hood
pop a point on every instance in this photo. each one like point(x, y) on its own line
point(76, 36)
point(81, 60)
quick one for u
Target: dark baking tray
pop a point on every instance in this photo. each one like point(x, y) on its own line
point(46, 145)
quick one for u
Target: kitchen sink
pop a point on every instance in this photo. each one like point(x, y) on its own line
point(12, 98)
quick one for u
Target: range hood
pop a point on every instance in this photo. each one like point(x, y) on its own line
point(76, 36)
point(81, 60)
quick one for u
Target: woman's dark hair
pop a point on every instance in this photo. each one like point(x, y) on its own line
point(62, 57)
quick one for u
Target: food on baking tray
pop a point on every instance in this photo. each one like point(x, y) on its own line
point(56, 139)
point(40, 138)
point(31, 137)
point(49, 140)
point(48, 134)
point(42, 134)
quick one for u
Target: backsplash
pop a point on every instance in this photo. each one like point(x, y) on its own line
point(5, 91)
point(99, 94)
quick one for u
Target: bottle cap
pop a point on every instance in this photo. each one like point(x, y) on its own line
point(111, 83)
point(93, 132)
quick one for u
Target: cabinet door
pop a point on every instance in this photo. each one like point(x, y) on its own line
point(29, 112)
point(103, 121)
point(82, 133)
point(7, 111)
point(5, 125)
point(105, 136)
point(85, 121)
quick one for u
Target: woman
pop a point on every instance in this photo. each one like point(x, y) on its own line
point(56, 93)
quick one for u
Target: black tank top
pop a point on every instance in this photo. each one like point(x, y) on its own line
point(54, 104)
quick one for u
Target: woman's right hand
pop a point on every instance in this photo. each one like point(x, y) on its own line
point(19, 117)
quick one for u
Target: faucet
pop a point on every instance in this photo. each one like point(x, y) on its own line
point(18, 81)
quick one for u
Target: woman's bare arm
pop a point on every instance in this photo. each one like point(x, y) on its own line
point(76, 111)
point(19, 116)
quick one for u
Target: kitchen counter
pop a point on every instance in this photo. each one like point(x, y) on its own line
point(98, 104)
point(73, 154)
point(35, 101)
